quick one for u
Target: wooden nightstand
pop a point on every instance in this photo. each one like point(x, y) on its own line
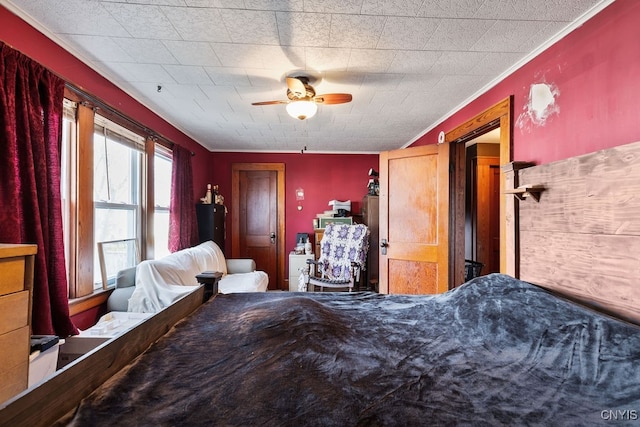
point(210, 281)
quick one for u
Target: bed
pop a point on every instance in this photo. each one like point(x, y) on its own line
point(558, 346)
point(494, 351)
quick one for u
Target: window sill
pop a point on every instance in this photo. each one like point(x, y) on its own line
point(97, 298)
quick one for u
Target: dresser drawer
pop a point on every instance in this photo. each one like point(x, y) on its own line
point(14, 370)
point(14, 311)
point(12, 277)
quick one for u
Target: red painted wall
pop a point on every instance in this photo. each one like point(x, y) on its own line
point(24, 38)
point(90, 317)
point(595, 70)
point(323, 177)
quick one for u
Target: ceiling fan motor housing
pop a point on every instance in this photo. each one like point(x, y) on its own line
point(309, 92)
point(302, 100)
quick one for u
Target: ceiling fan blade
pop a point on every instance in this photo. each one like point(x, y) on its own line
point(333, 98)
point(269, 102)
point(296, 86)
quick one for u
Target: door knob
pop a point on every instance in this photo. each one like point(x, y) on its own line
point(383, 246)
point(272, 236)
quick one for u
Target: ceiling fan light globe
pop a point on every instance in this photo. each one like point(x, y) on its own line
point(302, 109)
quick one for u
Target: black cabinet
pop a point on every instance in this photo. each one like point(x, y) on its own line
point(211, 223)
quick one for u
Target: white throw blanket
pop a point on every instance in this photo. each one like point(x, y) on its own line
point(161, 282)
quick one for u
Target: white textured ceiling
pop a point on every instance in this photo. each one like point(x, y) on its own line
point(407, 63)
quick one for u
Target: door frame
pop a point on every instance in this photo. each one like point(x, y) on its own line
point(236, 168)
point(496, 116)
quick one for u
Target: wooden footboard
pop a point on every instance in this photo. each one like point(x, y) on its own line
point(61, 393)
point(582, 237)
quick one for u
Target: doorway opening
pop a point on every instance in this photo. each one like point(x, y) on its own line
point(482, 204)
point(478, 231)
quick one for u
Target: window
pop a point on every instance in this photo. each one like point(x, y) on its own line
point(162, 198)
point(109, 193)
point(117, 176)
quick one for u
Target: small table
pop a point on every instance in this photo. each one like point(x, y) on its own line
point(210, 281)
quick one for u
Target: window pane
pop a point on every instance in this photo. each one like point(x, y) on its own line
point(162, 181)
point(162, 196)
point(115, 171)
point(161, 233)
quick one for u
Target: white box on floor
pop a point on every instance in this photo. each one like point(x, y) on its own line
point(42, 364)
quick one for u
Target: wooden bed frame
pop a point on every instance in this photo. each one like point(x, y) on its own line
point(573, 226)
point(59, 394)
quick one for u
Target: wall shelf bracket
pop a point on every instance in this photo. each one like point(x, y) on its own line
point(524, 191)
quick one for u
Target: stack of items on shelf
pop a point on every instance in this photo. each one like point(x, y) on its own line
point(340, 212)
point(340, 209)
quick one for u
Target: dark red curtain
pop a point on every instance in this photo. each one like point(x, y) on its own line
point(183, 228)
point(31, 101)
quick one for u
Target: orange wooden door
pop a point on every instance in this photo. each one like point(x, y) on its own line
point(494, 215)
point(487, 219)
point(257, 234)
point(414, 220)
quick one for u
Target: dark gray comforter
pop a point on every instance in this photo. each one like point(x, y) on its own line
point(495, 351)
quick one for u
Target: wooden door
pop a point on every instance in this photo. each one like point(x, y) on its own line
point(483, 206)
point(414, 220)
point(485, 221)
point(493, 188)
point(257, 218)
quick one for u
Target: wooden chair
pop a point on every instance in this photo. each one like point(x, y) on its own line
point(343, 256)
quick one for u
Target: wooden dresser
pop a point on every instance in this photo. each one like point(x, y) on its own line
point(16, 284)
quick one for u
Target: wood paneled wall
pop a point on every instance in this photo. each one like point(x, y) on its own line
point(583, 236)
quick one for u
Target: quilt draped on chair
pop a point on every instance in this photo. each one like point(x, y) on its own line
point(344, 244)
point(343, 255)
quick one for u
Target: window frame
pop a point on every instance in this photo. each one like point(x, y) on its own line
point(81, 206)
point(69, 152)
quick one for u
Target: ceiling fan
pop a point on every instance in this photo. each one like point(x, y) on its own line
point(303, 101)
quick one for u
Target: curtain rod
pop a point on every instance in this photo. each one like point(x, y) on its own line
point(101, 104)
